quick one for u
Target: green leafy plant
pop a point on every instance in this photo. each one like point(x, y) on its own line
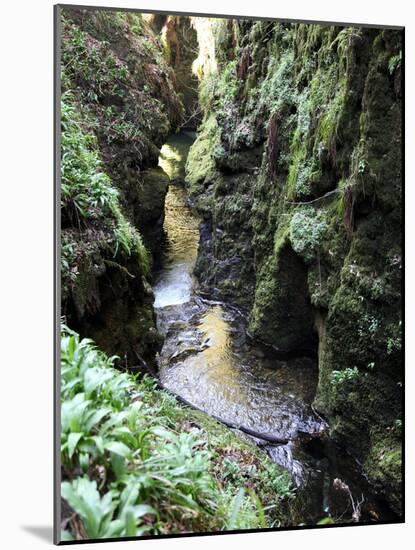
point(126, 470)
point(339, 377)
point(307, 229)
point(87, 192)
point(84, 186)
point(231, 468)
point(114, 514)
point(395, 62)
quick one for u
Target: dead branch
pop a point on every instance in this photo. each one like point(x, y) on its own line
point(315, 200)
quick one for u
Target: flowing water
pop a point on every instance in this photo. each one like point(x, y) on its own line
point(209, 360)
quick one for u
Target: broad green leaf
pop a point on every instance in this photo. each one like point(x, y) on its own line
point(71, 345)
point(84, 461)
point(142, 509)
point(118, 448)
point(184, 500)
point(96, 512)
point(114, 529)
point(73, 439)
point(129, 495)
point(99, 443)
point(82, 495)
point(118, 466)
point(130, 526)
point(260, 509)
point(96, 417)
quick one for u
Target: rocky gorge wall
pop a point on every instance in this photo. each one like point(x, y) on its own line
point(296, 173)
point(119, 103)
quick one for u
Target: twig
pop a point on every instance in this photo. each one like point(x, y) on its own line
point(120, 267)
point(356, 506)
point(149, 369)
point(315, 200)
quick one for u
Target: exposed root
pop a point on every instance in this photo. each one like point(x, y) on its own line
point(340, 485)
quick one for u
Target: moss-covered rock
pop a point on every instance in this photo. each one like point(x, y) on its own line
point(298, 165)
point(179, 40)
point(200, 166)
point(122, 102)
point(149, 206)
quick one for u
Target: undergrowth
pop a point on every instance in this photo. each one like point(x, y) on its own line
point(88, 197)
point(128, 97)
point(135, 462)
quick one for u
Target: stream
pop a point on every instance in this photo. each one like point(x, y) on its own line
point(209, 360)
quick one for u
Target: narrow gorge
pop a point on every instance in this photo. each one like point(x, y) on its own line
point(231, 240)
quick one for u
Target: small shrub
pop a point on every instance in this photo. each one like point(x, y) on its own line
point(339, 377)
point(307, 229)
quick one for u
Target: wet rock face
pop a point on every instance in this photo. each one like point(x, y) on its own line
point(225, 261)
point(149, 206)
point(186, 81)
point(114, 307)
point(178, 38)
point(296, 172)
point(284, 314)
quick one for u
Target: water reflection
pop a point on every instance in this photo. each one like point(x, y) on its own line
point(174, 282)
point(206, 357)
point(209, 376)
point(229, 377)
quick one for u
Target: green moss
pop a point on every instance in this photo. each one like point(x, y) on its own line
point(227, 84)
point(294, 168)
point(384, 463)
point(200, 165)
point(307, 231)
point(119, 93)
point(323, 108)
point(330, 120)
point(119, 103)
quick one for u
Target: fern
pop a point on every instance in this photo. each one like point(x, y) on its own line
point(88, 192)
